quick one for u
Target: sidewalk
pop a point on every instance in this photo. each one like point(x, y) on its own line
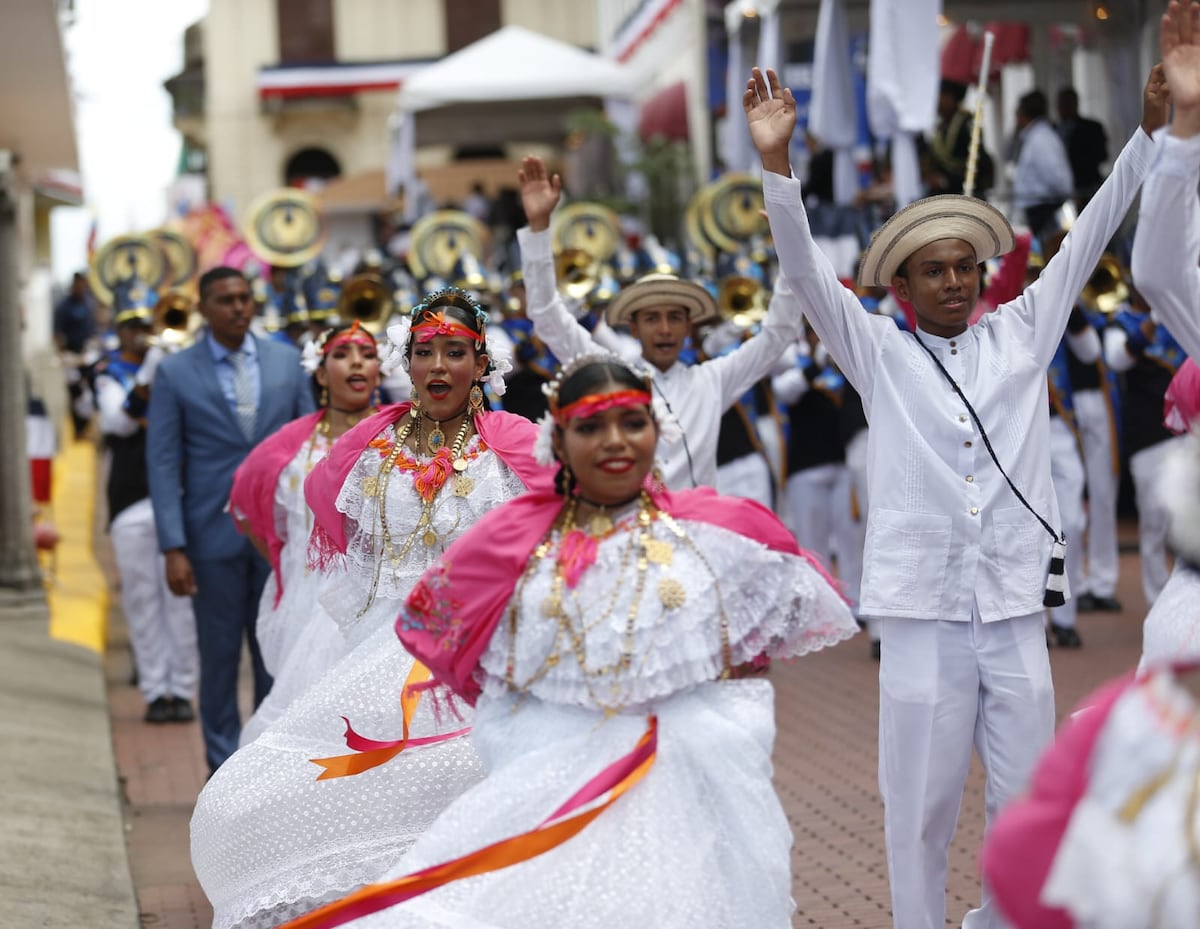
point(62, 854)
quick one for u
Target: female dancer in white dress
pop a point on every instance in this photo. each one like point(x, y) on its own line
point(270, 840)
point(573, 616)
point(298, 639)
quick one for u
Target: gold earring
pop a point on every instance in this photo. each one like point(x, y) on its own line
point(475, 398)
point(566, 479)
point(324, 396)
point(415, 400)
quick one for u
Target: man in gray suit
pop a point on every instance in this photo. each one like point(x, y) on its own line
point(210, 405)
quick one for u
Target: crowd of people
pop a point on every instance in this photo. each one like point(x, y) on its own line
point(511, 565)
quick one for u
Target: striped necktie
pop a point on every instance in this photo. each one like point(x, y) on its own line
point(243, 393)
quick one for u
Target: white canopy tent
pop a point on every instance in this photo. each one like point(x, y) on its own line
point(512, 85)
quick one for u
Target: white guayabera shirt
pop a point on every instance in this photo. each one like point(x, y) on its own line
point(944, 531)
point(698, 395)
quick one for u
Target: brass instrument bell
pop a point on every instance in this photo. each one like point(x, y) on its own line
point(368, 298)
point(577, 271)
point(742, 300)
point(1106, 289)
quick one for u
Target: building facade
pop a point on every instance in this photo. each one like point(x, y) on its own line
point(296, 91)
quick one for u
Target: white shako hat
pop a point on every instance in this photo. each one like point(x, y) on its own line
point(653, 290)
point(946, 216)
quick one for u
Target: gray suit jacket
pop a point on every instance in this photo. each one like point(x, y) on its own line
point(194, 444)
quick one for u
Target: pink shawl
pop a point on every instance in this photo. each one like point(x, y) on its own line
point(508, 435)
point(453, 610)
point(252, 499)
point(1020, 847)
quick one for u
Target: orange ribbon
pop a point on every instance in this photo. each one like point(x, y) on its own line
point(561, 825)
point(382, 752)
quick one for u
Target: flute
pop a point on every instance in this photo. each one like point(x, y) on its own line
point(977, 125)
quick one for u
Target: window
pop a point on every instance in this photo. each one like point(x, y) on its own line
point(305, 31)
point(470, 20)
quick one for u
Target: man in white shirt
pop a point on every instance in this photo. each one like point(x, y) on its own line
point(955, 565)
point(660, 310)
point(1167, 243)
point(1042, 179)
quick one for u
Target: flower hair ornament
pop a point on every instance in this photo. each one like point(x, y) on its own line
point(315, 350)
point(399, 334)
point(543, 448)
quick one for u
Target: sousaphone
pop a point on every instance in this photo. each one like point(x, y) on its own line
point(731, 216)
point(589, 227)
point(284, 228)
point(440, 240)
point(125, 258)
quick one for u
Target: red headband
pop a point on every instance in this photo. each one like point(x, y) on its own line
point(435, 324)
point(598, 403)
point(352, 335)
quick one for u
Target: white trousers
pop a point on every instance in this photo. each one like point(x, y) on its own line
point(1145, 467)
point(1096, 436)
point(162, 628)
point(1067, 475)
point(748, 476)
point(818, 504)
point(943, 687)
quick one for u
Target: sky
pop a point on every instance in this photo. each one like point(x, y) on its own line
point(118, 54)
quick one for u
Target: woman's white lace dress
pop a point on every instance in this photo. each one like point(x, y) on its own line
point(269, 841)
point(1130, 858)
point(702, 841)
point(298, 639)
point(1171, 632)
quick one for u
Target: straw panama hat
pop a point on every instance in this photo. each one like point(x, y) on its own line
point(947, 216)
point(655, 290)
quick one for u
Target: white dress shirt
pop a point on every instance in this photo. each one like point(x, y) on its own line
point(944, 531)
point(698, 395)
point(1167, 243)
point(1043, 172)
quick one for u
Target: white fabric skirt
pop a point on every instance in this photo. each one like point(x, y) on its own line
point(270, 841)
point(701, 841)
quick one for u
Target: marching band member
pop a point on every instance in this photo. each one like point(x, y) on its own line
point(162, 627)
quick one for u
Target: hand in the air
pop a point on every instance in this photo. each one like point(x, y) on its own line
point(771, 116)
point(1179, 42)
point(540, 192)
point(1156, 100)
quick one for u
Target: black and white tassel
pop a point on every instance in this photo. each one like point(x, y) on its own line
point(1056, 580)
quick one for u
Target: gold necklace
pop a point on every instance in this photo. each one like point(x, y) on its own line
point(424, 526)
point(437, 438)
point(570, 640)
point(353, 418)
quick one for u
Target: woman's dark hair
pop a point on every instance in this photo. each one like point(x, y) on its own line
point(587, 379)
point(330, 334)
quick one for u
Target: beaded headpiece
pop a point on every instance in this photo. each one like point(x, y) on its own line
point(556, 416)
point(401, 333)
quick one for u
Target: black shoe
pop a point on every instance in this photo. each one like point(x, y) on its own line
point(876, 650)
point(159, 711)
point(1086, 603)
point(1106, 604)
point(1065, 636)
point(181, 710)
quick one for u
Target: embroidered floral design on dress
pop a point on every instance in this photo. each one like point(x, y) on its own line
point(431, 609)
